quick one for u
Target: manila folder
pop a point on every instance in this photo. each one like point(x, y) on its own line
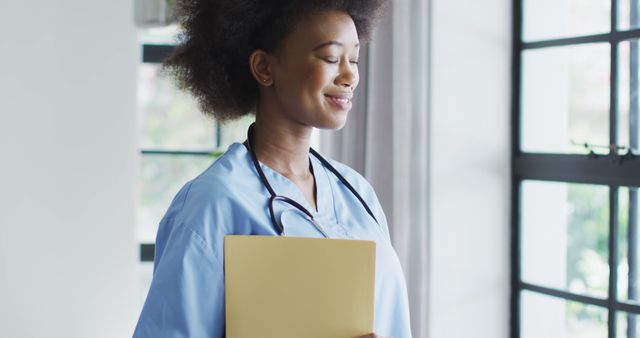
point(293, 287)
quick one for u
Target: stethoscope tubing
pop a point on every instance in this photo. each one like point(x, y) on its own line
point(277, 226)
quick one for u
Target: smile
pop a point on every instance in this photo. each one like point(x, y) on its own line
point(342, 103)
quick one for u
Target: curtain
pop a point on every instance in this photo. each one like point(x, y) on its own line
point(387, 139)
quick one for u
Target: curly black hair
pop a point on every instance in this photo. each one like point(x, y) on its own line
point(212, 57)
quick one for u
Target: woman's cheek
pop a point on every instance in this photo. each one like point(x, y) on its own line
point(319, 76)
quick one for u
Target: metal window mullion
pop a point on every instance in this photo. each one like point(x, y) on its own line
point(632, 226)
point(147, 252)
point(633, 79)
point(613, 97)
point(565, 295)
point(613, 189)
point(218, 132)
point(516, 281)
point(630, 307)
point(573, 168)
point(613, 260)
point(576, 40)
point(516, 60)
point(152, 53)
point(614, 36)
point(179, 152)
point(632, 254)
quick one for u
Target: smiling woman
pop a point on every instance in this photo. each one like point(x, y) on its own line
point(294, 64)
point(313, 74)
point(315, 71)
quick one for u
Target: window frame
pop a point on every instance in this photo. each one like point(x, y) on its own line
point(612, 170)
point(155, 54)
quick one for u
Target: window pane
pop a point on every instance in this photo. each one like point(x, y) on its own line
point(625, 10)
point(169, 118)
point(549, 317)
point(565, 236)
point(162, 176)
point(165, 35)
point(565, 98)
point(628, 100)
point(627, 325)
point(628, 257)
point(235, 131)
point(549, 19)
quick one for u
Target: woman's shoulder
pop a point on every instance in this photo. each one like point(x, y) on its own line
point(233, 165)
point(217, 187)
point(212, 180)
point(205, 206)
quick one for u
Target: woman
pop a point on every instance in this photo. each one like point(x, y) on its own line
point(294, 64)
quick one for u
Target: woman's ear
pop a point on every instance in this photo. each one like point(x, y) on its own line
point(260, 64)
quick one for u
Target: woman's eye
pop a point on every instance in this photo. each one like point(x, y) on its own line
point(337, 60)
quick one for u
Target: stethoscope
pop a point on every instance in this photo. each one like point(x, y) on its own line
point(275, 197)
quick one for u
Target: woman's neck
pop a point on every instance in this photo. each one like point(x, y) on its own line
point(283, 146)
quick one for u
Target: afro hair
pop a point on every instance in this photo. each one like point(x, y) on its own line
point(211, 59)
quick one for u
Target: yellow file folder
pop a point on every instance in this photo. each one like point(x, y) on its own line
point(293, 287)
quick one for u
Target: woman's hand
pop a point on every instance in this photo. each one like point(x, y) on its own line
point(372, 335)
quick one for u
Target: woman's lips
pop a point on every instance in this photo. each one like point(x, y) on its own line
point(342, 101)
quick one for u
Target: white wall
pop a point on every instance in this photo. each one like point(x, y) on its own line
point(67, 172)
point(469, 149)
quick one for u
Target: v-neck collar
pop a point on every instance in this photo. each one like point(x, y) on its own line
point(284, 186)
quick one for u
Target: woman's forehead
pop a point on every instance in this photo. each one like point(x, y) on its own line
point(324, 29)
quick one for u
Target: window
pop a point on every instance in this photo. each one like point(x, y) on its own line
point(576, 169)
point(176, 142)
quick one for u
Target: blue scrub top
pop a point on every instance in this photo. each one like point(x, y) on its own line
point(186, 297)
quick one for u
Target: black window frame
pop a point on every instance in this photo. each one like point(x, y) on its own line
point(155, 54)
point(613, 170)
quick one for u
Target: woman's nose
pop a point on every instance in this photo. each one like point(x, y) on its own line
point(348, 76)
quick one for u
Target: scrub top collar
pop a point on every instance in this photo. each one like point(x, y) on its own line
point(284, 186)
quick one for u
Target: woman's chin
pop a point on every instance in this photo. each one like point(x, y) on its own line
point(334, 122)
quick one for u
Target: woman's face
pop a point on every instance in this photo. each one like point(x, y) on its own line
point(316, 70)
